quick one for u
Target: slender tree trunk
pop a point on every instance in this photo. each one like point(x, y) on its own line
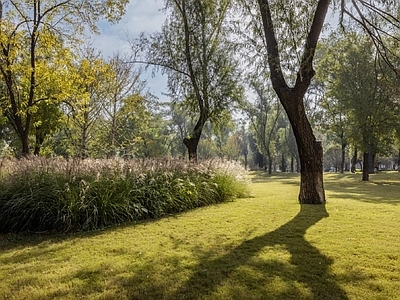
point(245, 160)
point(84, 140)
point(269, 159)
point(354, 161)
point(365, 173)
point(283, 163)
point(292, 164)
point(39, 139)
point(398, 162)
point(343, 158)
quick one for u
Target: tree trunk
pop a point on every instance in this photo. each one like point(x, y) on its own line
point(371, 163)
point(398, 162)
point(269, 159)
point(192, 141)
point(310, 151)
point(354, 161)
point(191, 145)
point(283, 163)
point(38, 143)
point(292, 164)
point(25, 143)
point(365, 173)
point(342, 162)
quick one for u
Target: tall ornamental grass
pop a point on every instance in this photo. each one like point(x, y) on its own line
point(39, 194)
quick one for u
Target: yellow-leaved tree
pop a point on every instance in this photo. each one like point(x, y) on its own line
point(36, 42)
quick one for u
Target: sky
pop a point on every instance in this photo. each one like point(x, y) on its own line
point(141, 16)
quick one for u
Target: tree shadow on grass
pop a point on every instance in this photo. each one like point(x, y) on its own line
point(308, 267)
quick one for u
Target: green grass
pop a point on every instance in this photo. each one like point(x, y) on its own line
point(266, 247)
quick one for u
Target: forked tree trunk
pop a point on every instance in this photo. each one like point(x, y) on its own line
point(310, 151)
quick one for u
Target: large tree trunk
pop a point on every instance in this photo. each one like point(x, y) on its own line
point(192, 141)
point(25, 143)
point(310, 151)
point(371, 163)
point(191, 145)
point(365, 171)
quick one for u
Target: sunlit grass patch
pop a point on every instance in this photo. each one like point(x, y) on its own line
point(266, 247)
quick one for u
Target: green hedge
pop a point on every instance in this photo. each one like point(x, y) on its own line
point(56, 195)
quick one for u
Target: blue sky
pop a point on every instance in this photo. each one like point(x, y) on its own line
point(141, 15)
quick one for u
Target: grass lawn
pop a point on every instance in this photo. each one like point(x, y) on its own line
point(266, 247)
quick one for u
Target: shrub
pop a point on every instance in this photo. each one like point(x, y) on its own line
point(58, 195)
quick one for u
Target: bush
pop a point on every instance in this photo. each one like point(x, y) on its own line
point(59, 195)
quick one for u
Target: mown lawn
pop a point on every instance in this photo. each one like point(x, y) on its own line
point(265, 247)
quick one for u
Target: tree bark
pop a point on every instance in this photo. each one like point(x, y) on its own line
point(191, 145)
point(343, 158)
point(192, 141)
point(283, 163)
point(371, 163)
point(310, 151)
point(365, 171)
point(354, 161)
point(398, 162)
point(38, 143)
point(310, 154)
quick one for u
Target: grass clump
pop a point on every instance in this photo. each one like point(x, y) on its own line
point(59, 195)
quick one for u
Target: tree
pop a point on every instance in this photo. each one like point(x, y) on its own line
point(360, 91)
point(123, 85)
point(35, 37)
point(288, 27)
point(193, 51)
point(263, 116)
point(291, 97)
point(91, 81)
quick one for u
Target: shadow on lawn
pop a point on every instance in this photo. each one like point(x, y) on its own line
point(379, 190)
point(311, 267)
point(241, 274)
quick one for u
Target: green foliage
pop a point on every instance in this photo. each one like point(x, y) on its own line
point(42, 195)
point(361, 102)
